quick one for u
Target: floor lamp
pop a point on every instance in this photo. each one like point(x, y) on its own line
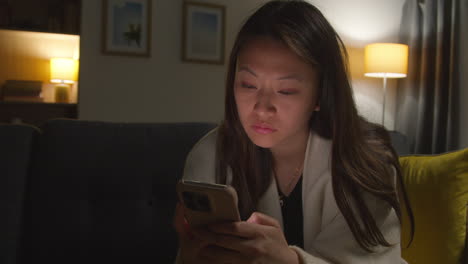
point(386, 60)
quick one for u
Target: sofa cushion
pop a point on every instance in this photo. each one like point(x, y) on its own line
point(105, 192)
point(16, 142)
point(437, 187)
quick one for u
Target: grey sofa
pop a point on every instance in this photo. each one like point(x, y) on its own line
point(94, 192)
point(91, 192)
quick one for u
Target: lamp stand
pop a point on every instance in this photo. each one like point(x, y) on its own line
point(384, 94)
point(62, 93)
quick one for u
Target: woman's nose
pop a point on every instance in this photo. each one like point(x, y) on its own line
point(264, 104)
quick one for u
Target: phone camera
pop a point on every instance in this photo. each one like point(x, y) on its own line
point(196, 201)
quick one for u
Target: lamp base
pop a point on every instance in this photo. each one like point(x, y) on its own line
point(62, 93)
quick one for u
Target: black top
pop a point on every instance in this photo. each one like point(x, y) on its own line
point(291, 209)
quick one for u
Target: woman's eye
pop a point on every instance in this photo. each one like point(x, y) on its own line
point(248, 86)
point(286, 92)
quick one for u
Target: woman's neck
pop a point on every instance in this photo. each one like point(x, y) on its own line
point(291, 152)
point(289, 162)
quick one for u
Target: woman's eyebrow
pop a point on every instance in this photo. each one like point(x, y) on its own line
point(247, 69)
point(293, 76)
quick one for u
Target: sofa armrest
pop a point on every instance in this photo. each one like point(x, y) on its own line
point(16, 143)
point(465, 251)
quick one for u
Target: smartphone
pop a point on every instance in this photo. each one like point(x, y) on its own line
point(208, 203)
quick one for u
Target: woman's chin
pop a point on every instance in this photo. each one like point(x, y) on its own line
point(262, 141)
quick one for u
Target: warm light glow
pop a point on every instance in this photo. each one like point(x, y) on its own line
point(63, 70)
point(388, 60)
point(360, 22)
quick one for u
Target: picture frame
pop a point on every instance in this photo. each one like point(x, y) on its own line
point(126, 27)
point(203, 33)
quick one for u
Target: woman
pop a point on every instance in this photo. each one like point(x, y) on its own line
point(316, 182)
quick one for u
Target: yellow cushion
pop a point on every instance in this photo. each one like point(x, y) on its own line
point(437, 186)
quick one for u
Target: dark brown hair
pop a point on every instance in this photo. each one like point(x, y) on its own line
point(362, 155)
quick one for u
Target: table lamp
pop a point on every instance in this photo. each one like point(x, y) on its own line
point(386, 60)
point(64, 72)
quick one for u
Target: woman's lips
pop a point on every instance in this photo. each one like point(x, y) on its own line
point(263, 129)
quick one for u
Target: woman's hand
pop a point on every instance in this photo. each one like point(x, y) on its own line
point(257, 240)
point(189, 244)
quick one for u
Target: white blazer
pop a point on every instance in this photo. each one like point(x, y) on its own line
point(327, 237)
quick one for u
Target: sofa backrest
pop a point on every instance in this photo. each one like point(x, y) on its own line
point(16, 142)
point(105, 192)
point(399, 143)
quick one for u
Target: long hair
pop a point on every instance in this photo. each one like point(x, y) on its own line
point(362, 156)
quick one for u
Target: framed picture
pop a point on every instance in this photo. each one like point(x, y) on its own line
point(126, 27)
point(203, 33)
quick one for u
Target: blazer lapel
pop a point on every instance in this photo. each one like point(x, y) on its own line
point(318, 201)
point(269, 203)
point(316, 187)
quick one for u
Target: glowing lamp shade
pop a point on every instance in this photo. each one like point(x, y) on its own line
point(63, 70)
point(386, 60)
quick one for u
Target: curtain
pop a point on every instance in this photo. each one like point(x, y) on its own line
point(428, 108)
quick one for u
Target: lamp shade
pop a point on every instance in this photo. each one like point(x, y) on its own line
point(388, 60)
point(63, 70)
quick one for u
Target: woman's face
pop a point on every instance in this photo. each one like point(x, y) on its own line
point(276, 94)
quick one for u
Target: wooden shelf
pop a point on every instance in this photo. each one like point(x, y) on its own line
point(35, 113)
point(52, 16)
